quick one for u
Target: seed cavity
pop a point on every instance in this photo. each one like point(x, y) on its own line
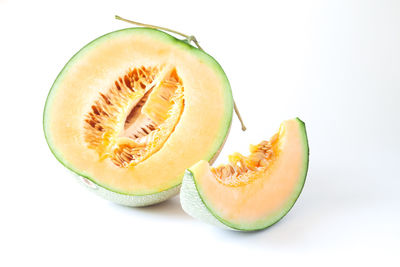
point(243, 169)
point(134, 118)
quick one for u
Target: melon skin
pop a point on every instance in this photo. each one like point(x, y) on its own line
point(123, 198)
point(194, 201)
point(193, 204)
point(129, 200)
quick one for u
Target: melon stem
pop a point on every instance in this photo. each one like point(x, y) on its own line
point(189, 39)
point(152, 26)
point(238, 115)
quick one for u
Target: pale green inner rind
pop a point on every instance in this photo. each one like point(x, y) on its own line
point(274, 218)
point(209, 60)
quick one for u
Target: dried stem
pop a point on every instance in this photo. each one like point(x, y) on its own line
point(238, 115)
point(152, 26)
point(189, 38)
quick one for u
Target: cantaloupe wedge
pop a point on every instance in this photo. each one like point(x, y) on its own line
point(253, 192)
point(133, 109)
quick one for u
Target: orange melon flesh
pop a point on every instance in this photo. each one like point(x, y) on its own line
point(198, 134)
point(266, 197)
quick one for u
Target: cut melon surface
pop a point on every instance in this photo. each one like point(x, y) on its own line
point(133, 109)
point(252, 192)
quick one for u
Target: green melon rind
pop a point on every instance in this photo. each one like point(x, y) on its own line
point(194, 202)
point(129, 200)
point(136, 200)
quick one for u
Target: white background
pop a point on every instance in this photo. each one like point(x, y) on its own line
point(335, 64)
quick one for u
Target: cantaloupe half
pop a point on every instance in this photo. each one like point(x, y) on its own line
point(253, 192)
point(133, 109)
